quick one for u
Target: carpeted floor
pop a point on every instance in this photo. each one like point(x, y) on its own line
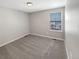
point(34, 47)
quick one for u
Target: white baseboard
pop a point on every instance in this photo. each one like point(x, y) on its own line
point(13, 40)
point(47, 36)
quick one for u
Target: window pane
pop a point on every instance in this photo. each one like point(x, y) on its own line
point(58, 25)
point(55, 21)
point(55, 16)
point(53, 25)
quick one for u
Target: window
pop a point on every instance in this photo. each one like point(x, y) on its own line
point(55, 21)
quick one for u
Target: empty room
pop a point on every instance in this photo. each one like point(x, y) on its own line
point(39, 29)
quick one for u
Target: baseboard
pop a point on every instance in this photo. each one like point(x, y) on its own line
point(47, 36)
point(13, 40)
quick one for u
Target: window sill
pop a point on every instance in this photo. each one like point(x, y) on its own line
point(56, 30)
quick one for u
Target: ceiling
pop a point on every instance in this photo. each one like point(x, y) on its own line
point(37, 4)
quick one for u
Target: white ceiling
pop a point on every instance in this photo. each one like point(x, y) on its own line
point(37, 4)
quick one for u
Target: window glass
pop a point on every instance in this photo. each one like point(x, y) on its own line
point(55, 21)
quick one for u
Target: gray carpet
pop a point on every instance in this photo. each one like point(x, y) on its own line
point(34, 47)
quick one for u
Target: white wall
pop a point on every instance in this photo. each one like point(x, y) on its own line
point(39, 22)
point(13, 25)
point(72, 29)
